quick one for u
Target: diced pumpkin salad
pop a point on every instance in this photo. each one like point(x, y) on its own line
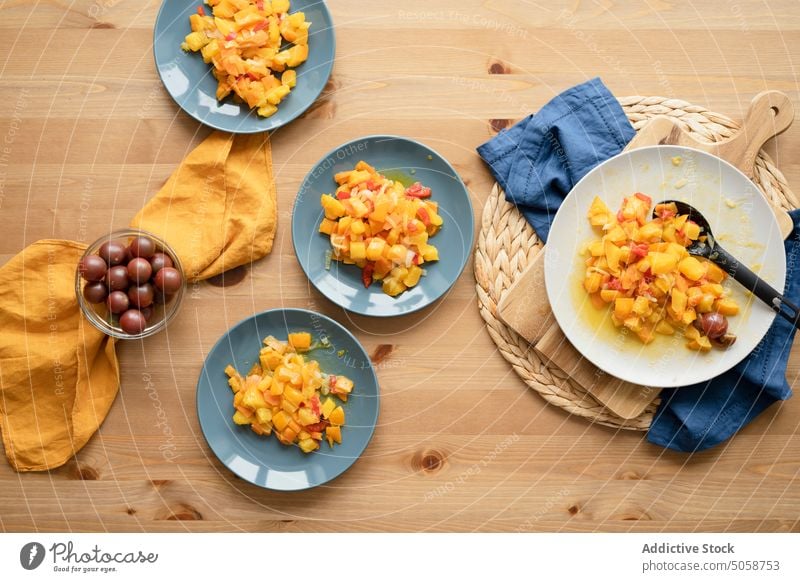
point(641, 270)
point(286, 394)
point(382, 227)
point(242, 40)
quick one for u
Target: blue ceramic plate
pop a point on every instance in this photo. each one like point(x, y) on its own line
point(263, 461)
point(190, 83)
point(397, 158)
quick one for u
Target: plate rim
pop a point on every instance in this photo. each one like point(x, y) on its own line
point(329, 65)
point(388, 137)
point(309, 313)
point(549, 291)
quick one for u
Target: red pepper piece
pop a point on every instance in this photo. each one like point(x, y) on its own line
point(315, 404)
point(423, 215)
point(201, 11)
point(318, 427)
point(366, 274)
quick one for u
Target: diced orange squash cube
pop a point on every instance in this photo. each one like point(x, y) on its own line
point(333, 208)
point(300, 340)
point(240, 418)
point(327, 226)
point(691, 230)
point(616, 235)
point(264, 415)
point(714, 289)
point(308, 445)
point(678, 302)
point(306, 416)
point(375, 249)
point(714, 273)
point(281, 420)
point(599, 214)
point(253, 398)
point(649, 232)
point(337, 416)
point(397, 253)
point(623, 307)
point(430, 253)
point(358, 250)
point(289, 78)
point(692, 269)
point(641, 306)
point(664, 328)
point(592, 282)
point(334, 435)
point(706, 303)
point(344, 384)
point(727, 307)
point(662, 263)
point(327, 407)
point(413, 276)
point(613, 255)
point(608, 295)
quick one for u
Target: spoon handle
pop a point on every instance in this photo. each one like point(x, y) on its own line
point(756, 285)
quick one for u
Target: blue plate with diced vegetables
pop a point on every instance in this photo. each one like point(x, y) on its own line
point(288, 399)
point(244, 66)
point(383, 226)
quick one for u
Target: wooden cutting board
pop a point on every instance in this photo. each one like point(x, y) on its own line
point(525, 308)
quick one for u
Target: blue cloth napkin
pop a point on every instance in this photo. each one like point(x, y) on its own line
point(539, 160)
point(701, 416)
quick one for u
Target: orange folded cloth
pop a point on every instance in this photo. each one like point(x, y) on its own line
point(58, 374)
point(218, 210)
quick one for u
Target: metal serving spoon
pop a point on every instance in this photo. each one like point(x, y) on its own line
point(711, 250)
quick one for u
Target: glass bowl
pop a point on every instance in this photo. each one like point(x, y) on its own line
point(99, 315)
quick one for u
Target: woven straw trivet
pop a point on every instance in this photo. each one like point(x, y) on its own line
point(507, 242)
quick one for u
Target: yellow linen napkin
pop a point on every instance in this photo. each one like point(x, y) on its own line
point(218, 210)
point(58, 374)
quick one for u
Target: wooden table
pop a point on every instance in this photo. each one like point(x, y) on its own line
point(462, 444)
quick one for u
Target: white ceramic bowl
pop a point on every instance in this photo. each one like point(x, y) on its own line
point(740, 219)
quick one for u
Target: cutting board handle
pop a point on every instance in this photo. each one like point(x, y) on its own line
point(770, 113)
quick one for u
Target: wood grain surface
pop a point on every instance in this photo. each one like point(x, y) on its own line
point(89, 134)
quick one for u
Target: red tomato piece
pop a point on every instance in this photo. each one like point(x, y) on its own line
point(639, 250)
point(417, 190)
